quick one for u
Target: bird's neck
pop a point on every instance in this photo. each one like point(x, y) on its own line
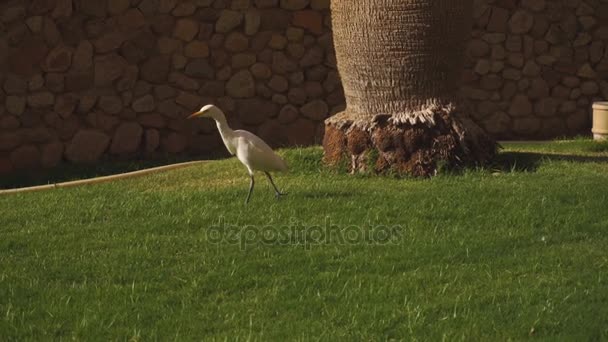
point(226, 133)
point(222, 126)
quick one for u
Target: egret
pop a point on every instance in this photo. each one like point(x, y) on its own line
point(250, 150)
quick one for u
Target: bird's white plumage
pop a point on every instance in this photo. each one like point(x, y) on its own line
point(252, 151)
point(255, 154)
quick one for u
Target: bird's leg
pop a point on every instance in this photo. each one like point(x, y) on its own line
point(277, 193)
point(251, 184)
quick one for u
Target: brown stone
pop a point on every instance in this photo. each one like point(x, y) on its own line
point(546, 107)
point(83, 56)
point(151, 140)
point(253, 20)
point(498, 20)
point(213, 89)
point(41, 99)
point(186, 29)
point(520, 106)
point(189, 100)
point(255, 111)
point(478, 48)
point(590, 88)
point(521, 22)
point(200, 68)
point(278, 83)
point(108, 68)
point(281, 64)
point(93, 8)
point(309, 20)
point(58, 60)
point(182, 81)
point(87, 146)
point(156, 69)
point(276, 20)
point(538, 89)
point(236, 42)
point(241, 85)
point(297, 96)
point(131, 21)
point(316, 110)
point(288, 114)
point(26, 59)
point(9, 122)
point(144, 104)
point(25, 157)
point(127, 138)
point(228, 21)
point(243, 60)
point(9, 141)
point(174, 143)
point(109, 42)
point(65, 105)
point(526, 126)
point(110, 104)
point(313, 56)
point(79, 81)
point(15, 105)
point(116, 7)
point(301, 132)
point(196, 49)
point(154, 120)
point(51, 154)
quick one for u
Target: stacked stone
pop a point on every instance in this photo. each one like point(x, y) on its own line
point(81, 79)
point(536, 66)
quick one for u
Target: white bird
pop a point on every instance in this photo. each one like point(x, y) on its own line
point(252, 151)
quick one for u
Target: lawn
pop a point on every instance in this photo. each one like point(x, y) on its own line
point(515, 251)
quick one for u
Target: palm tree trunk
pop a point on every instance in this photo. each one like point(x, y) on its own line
point(400, 62)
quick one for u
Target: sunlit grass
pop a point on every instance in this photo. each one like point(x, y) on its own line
point(512, 251)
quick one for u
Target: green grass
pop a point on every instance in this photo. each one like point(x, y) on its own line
point(515, 251)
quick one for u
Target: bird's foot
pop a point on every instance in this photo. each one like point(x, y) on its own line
point(278, 195)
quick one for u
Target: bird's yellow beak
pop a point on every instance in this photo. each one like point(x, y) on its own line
point(194, 115)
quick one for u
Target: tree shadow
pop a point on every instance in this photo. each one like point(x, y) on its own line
point(531, 161)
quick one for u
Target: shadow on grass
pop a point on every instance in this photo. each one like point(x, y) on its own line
point(530, 161)
point(72, 172)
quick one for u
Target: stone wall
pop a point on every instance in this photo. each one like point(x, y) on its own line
point(83, 80)
point(536, 66)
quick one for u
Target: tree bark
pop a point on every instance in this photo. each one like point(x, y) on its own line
point(400, 62)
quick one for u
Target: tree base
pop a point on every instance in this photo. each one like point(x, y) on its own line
point(383, 144)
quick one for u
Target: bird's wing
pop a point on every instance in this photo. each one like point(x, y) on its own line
point(258, 153)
